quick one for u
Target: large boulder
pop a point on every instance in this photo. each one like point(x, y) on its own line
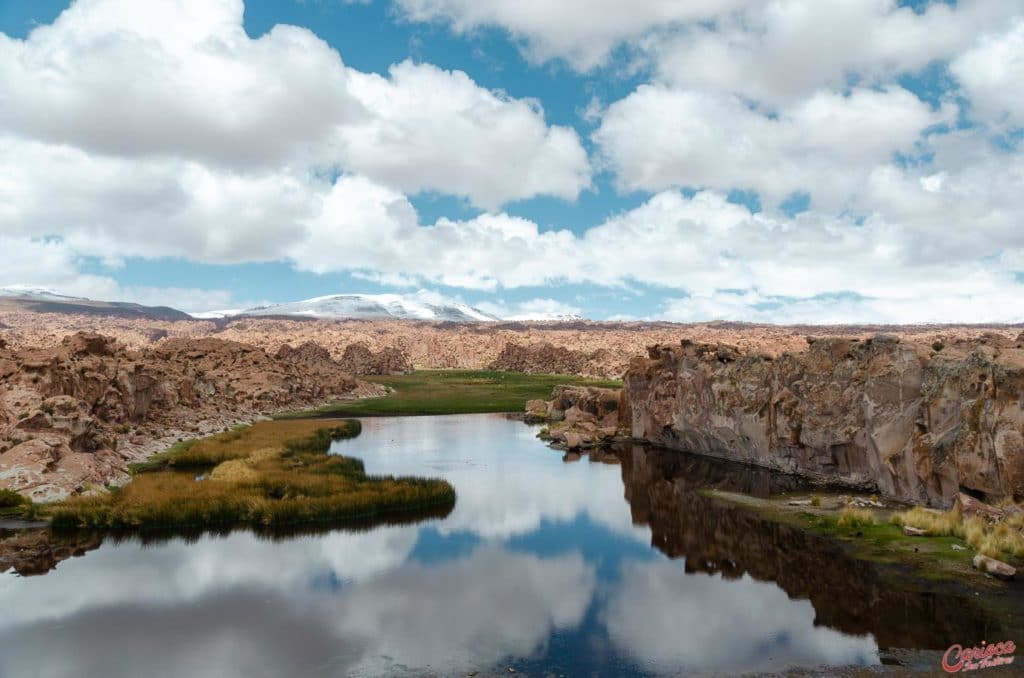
point(996, 568)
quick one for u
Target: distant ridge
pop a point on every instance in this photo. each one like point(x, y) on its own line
point(42, 300)
point(422, 305)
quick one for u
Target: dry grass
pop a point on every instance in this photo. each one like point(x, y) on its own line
point(996, 540)
point(935, 523)
point(273, 473)
point(234, 471)
point(855, 517)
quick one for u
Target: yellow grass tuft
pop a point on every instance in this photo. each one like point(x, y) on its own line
point(234, 471)
point(935, 523)
point(996, 540)
point(855, 517)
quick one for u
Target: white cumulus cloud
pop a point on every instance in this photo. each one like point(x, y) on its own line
point(180, 80)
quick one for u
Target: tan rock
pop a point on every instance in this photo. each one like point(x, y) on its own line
point(996, 568)
point(536, 411)
point(969, 507)
point(914, 531)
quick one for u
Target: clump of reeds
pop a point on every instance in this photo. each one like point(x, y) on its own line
point(259, 483)
point(855, 518)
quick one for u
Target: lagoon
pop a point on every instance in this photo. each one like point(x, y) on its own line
point(549, 564)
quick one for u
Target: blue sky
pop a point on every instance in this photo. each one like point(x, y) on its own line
point(796, 161)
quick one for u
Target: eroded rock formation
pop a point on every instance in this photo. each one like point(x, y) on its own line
point(360, 360)
point(74, 414)
point(579, 416)
point(916, 423)
point(547, 358)
point(541, 358)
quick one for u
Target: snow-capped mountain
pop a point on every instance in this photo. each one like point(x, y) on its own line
point(422, 305)
point(36, 293)
point(43, 300)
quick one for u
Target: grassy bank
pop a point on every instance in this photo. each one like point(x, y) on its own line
point(876, 535)
point(453, 392)
point(1002, 539)
point(269, 474)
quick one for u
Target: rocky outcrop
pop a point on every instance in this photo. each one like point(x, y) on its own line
point(579, 416)
point(914, 423)
point(73, 415)
point(360, 360)
point(547, 358)
point(308, 353)
point(541, 358)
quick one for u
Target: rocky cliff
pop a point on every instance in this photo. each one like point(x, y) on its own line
point(75, 414)
point(916, 423)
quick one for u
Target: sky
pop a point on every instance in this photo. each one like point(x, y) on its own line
point(812, 161)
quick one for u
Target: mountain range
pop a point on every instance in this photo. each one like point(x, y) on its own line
point(421, 305)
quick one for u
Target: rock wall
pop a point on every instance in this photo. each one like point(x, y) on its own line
point(75, 414)
point(916, 424)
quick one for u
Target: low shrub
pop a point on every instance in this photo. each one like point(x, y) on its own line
point(11, 499)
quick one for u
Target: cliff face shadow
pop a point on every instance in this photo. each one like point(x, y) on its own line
point(848, 594)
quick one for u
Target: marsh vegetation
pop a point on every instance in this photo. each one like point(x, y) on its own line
point(268, 474)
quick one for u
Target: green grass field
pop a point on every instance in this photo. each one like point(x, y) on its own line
point(452, 392)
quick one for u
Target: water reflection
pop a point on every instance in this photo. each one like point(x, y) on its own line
point(851, 595)
point(541, 565)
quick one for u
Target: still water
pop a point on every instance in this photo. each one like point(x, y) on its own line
point(605, 566)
